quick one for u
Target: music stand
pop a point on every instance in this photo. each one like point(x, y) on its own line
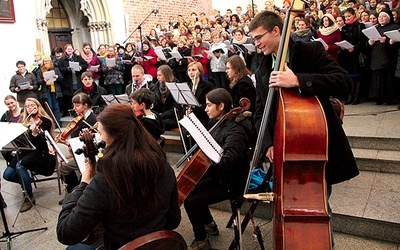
point(10, 131)
point(182, 93)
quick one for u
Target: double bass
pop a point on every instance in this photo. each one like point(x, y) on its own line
point(301, 219)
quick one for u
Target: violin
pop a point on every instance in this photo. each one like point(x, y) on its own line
point(71, 127)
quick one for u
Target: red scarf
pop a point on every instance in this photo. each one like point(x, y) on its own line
point(352, 20)
point(88, 90)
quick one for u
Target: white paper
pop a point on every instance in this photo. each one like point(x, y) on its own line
point(393, 34)
point(160, 54)
point(207, 44)
point(345, 44)
point(209, 53)
point(372, 33)
point(10, 131)
point(112, 99)
point(148, 57)
point(110, 62)
point(182, 93)
point(176, 54)
point(198, 56)
point(203, 138)
point(55, 146)
point(250, 47)
point(24, 85)
point(74, 65)
point(76, 143)
point(367, 24)
point(319, 40)
point(50, 75)
point(94, 68)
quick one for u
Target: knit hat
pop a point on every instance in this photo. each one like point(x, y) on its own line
point(44, 57)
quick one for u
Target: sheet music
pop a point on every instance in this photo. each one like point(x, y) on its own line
point(319, 40)
point(74, 65)
point(160, 54)
point(209, 53)
point(24, 85)
point(202, 137)
point(110, 62)
point(10, 131)
point(393, 34)
point(372, 33)
point(55, 146)
point(51, 75)
point(94, 68)
point(250, 47)
point(80, 159)
point(182, 93)
point(112, 99)
point(345, 44)
point(176, 54)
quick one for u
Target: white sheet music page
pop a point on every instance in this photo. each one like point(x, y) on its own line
point(202, 137)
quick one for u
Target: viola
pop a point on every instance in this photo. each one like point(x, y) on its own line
point(90, 149)
point(72, 126)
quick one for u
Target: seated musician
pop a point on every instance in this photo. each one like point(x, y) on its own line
point(139, 80)
point(13, 114)
point(94, 91)
point(133, 191)
point(39, 160)
point(82, 106)
point(165, 104)
point(141, 102)
point(224, 180)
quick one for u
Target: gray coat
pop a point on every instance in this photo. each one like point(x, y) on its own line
point(23, 94)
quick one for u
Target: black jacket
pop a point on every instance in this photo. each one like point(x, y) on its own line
point(320, 75)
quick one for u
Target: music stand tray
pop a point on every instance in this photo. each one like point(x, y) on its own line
point(8, 132)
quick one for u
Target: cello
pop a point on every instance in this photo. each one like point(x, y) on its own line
point(198, 165)
point(301, 219)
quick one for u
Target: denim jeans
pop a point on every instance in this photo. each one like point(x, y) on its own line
point(14, 175)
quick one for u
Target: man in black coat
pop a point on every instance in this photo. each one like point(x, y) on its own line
point(312, 72)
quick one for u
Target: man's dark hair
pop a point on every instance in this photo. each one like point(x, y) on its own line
point(266, 19)
point(20, 63)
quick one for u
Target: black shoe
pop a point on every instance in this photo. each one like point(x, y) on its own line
point(212, 229)
point(3, 204)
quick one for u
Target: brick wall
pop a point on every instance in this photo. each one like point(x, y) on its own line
point(139, 9)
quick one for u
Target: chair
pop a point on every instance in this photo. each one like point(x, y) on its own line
point(159, 240)
point(35, 177)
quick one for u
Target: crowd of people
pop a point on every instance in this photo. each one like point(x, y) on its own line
point(223, 58)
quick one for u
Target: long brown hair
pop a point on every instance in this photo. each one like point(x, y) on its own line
point(238, 65)
point(133, 162)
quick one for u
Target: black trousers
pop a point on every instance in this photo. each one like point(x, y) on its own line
point(206, 192)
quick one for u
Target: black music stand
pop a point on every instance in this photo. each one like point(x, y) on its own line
point(10, 131)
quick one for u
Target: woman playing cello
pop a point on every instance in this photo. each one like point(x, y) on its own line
point(224, 180)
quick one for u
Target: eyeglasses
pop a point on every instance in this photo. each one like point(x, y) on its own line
point(258, 38)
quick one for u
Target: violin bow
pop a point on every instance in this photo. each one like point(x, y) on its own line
point(49, 111)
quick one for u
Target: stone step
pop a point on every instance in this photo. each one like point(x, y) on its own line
point(377, 160)
point(365, 206)
point(378, 143)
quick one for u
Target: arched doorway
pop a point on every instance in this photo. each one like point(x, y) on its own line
point(65, 21)
point(59, 28)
